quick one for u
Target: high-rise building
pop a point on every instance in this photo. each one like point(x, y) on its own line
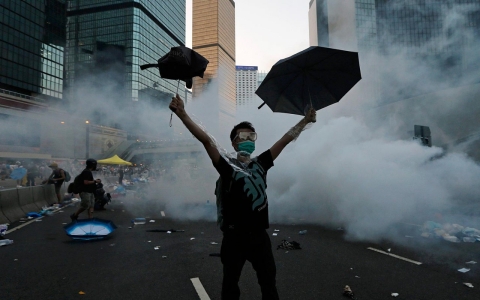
point(213, 36)
point(247, 84)
point(32, 42)
point(332, 24)
point(107, 41)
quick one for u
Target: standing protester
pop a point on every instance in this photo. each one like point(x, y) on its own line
point(56, 178)
point(87, 187)
point(32, 173)
point(120, 173)
point(242, 201)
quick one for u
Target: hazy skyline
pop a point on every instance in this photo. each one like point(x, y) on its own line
point(266, 30)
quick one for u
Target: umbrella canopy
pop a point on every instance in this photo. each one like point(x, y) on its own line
point(181, 63)
point(18, 173)
point(316, 76)
point(114, 160)
point(89, 229)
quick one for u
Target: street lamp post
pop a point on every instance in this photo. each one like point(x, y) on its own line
point(87, 140)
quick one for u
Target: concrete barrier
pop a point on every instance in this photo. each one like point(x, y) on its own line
point(10, 205)
point(3, 218)
point(50, 195)
point(25, 199)
point(39, 196)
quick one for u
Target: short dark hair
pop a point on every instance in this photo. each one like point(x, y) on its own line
point(242, 125)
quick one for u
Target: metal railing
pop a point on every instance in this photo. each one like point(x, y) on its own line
point(23, 96)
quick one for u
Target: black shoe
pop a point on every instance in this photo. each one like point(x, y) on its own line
point(73, 217)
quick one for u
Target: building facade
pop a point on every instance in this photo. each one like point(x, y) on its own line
point(332, 24)
point(108, 41)
point(213, 36)
point(32, 43)
point(247, 84)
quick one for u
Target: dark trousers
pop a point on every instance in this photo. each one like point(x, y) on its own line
point(257, 249)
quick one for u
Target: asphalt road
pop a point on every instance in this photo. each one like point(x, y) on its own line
point(44, 263)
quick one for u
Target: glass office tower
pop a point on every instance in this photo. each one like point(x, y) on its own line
point(109, 40)
point(32, 41)
point(213, 36)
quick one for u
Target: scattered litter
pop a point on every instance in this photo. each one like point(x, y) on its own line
point(276, 230)
point(111, 245)
point(165, 230)
point(274, 234)
point(64, 223)
point(123, 211)
point(149, 241)
point(357, 276)
point(163, 214)
point(389, 249)
point(3, 229)
point(164, 256)
point(112, 210)
point(16, 259)
point(61, 211)
point(151, 221)
point(192, 238)
point(5, 242)
point(139, 221)
point(463, 270)
point(213, 243)
point(468, 284)
point(471, 262)
point(286, 245)
point(39, 220)
point(129, 227)
point(286, 251)
point(395, 294)
point(156, 247)
point(450, 232)
point(201, 232)
point(81, 293)
point(302, 232)
point(347, 292)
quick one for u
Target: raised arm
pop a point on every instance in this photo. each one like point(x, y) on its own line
point(178, 107)
point(292, 134)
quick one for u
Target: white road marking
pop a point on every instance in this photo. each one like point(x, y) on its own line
point(396, 256)
point(23, 225)
point(199, 288)
point(163, 214)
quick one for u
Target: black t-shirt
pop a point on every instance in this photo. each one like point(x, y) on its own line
point(57, 174)
point(244, 203)
point(87, 175)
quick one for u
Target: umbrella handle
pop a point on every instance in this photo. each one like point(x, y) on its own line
point(262, 105)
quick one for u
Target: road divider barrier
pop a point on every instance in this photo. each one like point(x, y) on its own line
point(16, 203)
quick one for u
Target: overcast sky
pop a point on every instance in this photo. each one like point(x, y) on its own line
point(266, 30)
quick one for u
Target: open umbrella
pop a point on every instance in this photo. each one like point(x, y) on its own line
point(18, 173)
point(315, 77)
point(89, 229)
point(181, 63)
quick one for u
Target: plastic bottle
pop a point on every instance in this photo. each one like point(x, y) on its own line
point(139, 221)
point(302, 232)
point(5, 242)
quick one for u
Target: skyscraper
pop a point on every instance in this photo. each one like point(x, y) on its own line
point(247, 84)
point(332, 24)
point(32, 42)
point(107, 41)
point(213, 36)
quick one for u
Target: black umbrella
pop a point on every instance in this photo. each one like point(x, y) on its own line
point(181, 63)
point(315, 77)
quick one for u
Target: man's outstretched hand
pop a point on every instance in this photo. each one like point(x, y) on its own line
point(311, 116)
point(177, 106)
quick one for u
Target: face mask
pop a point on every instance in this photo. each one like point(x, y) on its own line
point(247, 146)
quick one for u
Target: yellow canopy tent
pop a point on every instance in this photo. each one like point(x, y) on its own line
point(114, 160)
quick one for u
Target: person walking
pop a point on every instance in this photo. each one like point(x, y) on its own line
point(57, 178)
point(121, 171)
point(87, 187)
point(242, 201)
